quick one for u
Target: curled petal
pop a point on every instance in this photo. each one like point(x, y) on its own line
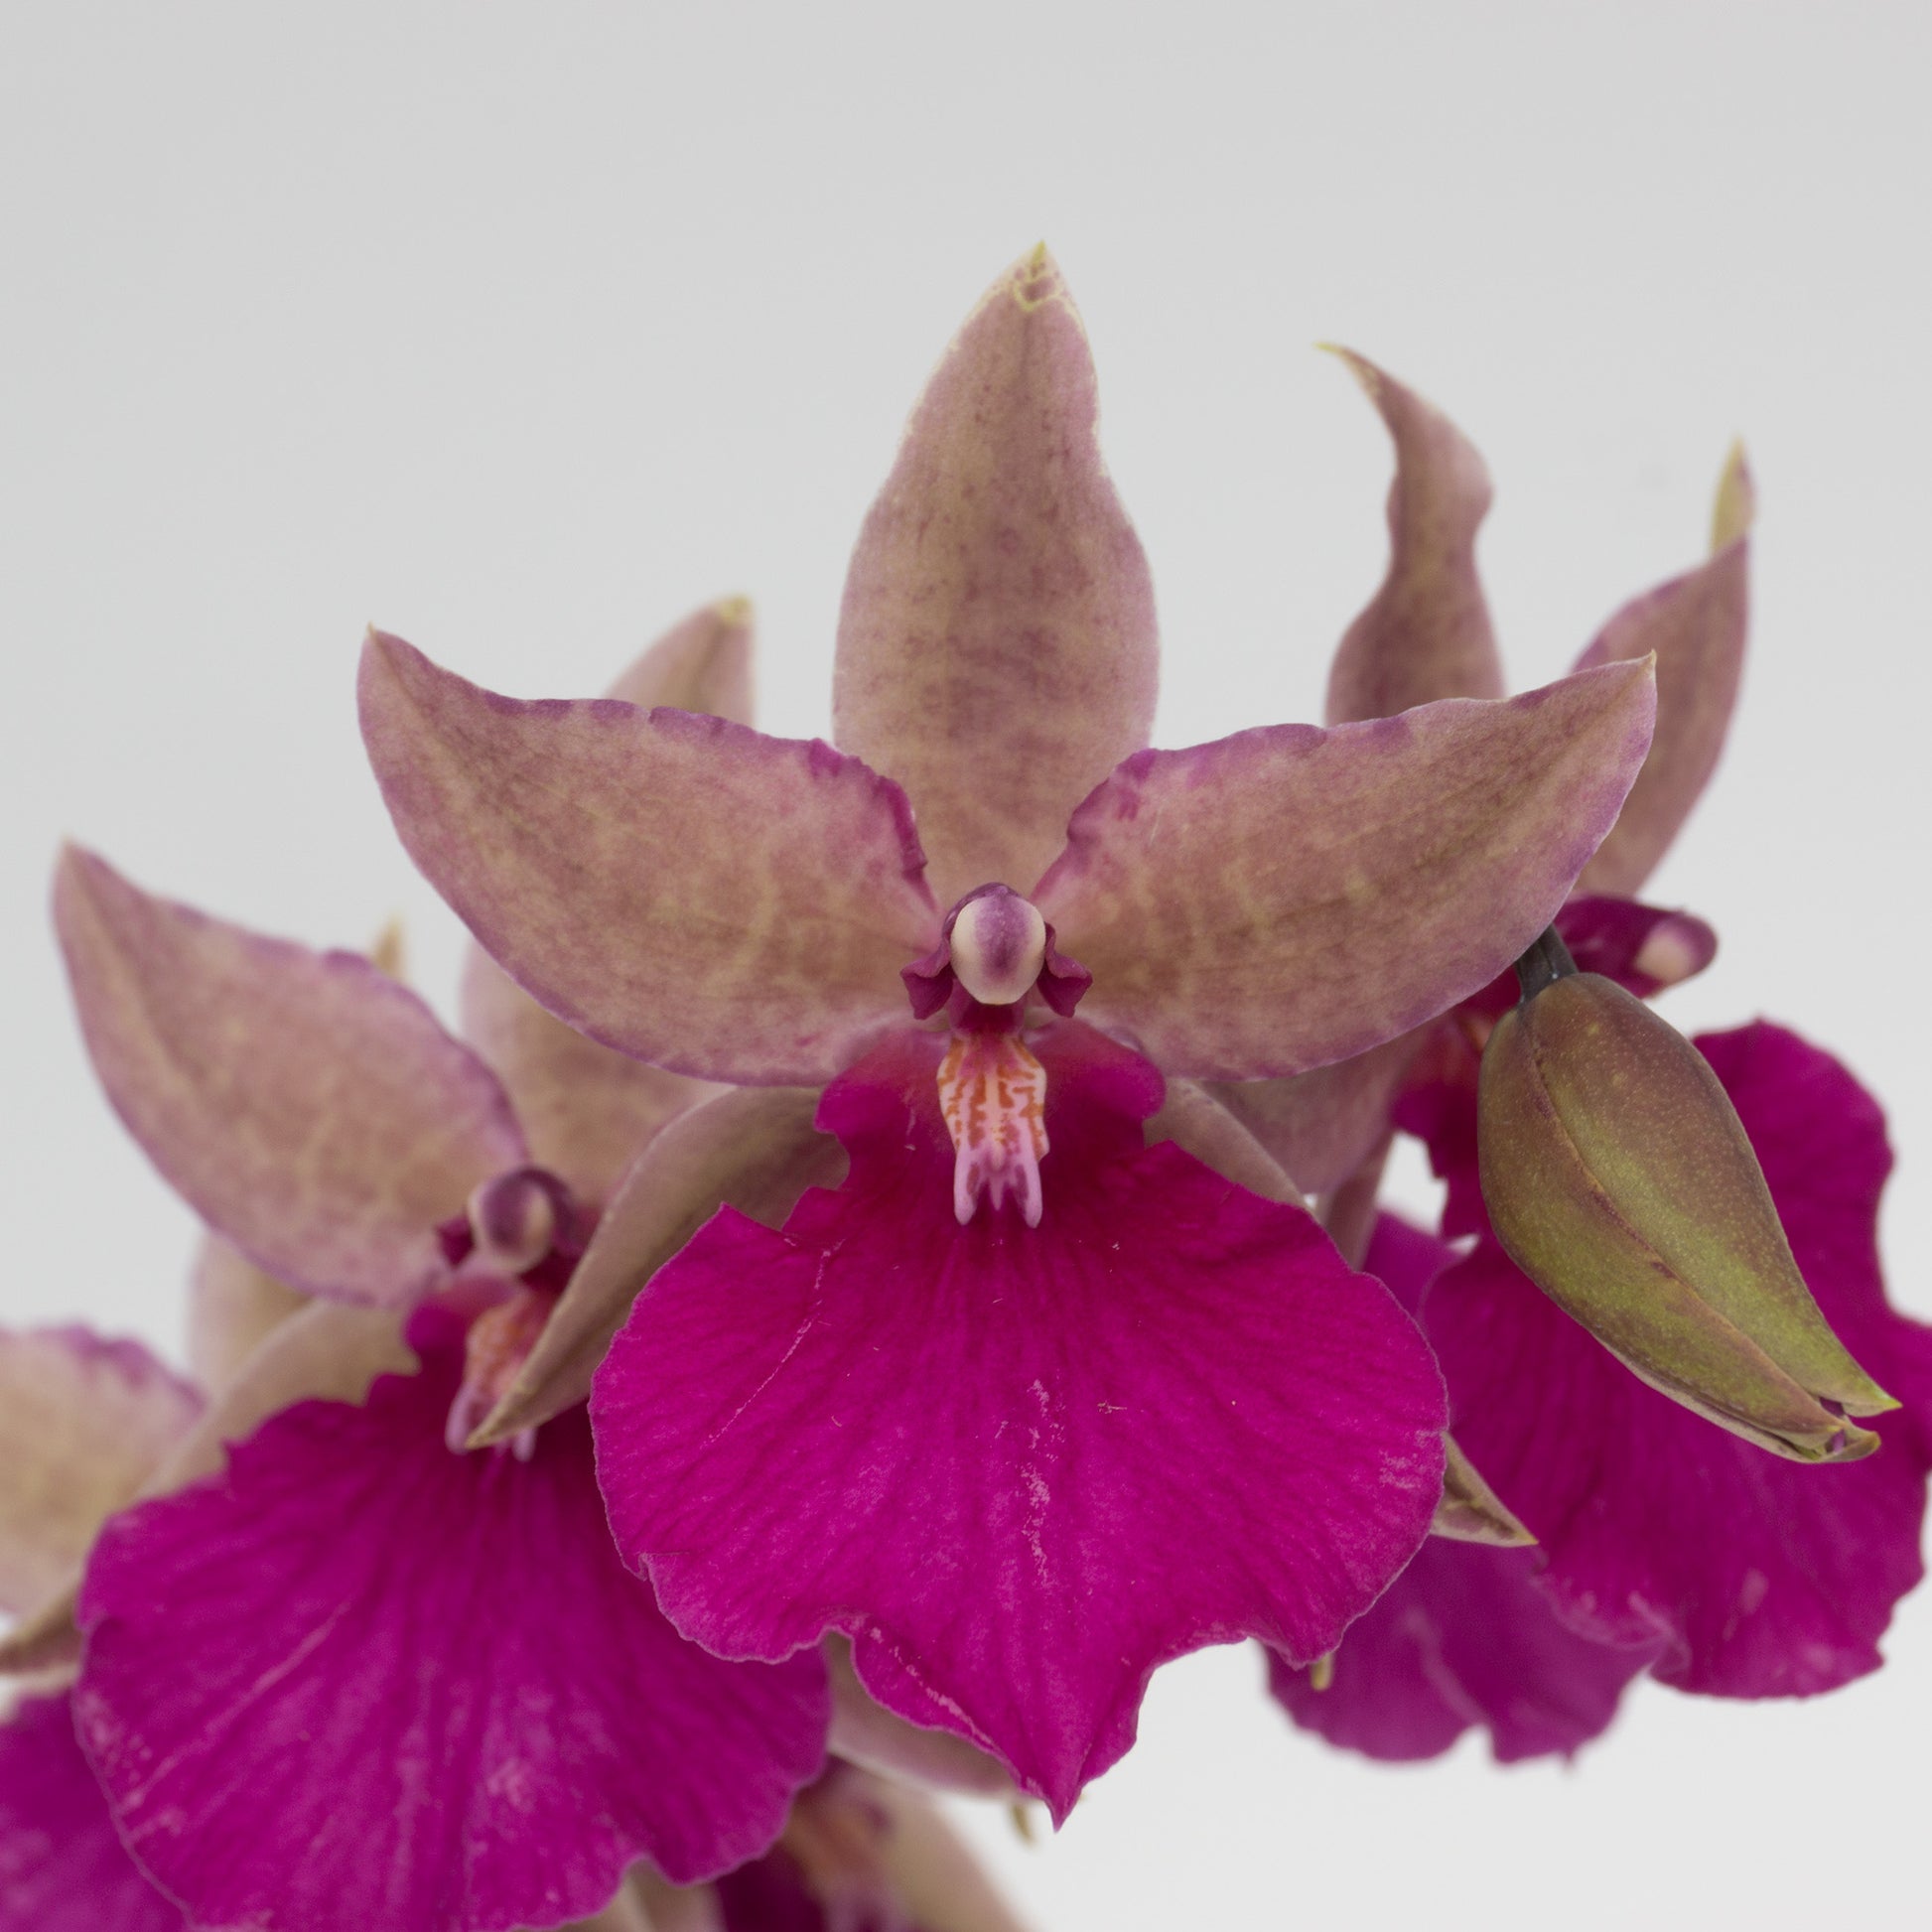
point(1290, 896)
point(309, 1108)
point(865, 1732)
point(232, 1308)
point(682, 889)
point(702, 664)
point(62, 1867)
point(586, 1109)
point(1425, 633)
point(83, 1422)
point(975, 1449)
point(1696, 624)
point(462, 1716)
point(997, 651)
point(754, 1148)
point(1756, 1576)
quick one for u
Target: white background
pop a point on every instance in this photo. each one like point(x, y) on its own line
point(522, 330)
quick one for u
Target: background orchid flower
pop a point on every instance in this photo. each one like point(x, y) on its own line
point(496, 1720)
point(963, 1433)
point(1661, 1543)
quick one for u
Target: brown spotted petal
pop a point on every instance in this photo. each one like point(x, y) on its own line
point(997, 651)
point(753, 1149)
point(1696, 624)
point(1284, 898)
point(1425, 633)
point(1619, 1179)
point(682, 889)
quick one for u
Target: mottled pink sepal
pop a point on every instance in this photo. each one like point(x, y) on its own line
point(360, 1681)
point(680, 887)
point(1019, 1466)
point(997, 651)
point(307, 1107)
point(1288, 896)
point(62, 1867)
point(1757, 1576)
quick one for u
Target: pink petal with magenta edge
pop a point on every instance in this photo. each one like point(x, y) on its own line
point(1759, 1577)
point(1291, 896)
point(1462, 1638)
point(464, 1717)
point(83, 1424)
point(586, 1109)
point(1019, 1469)
point(1696, 624)
point(1425, 633)
point(305, 1105)
point(62, 1867)
point(729, 906)
point(996, 648)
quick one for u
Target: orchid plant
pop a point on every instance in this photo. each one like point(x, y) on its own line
point(895, 1255)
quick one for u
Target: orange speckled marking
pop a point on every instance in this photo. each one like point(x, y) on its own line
point(992, 1093)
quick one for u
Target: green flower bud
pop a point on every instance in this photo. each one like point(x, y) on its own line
point(1619, 1179)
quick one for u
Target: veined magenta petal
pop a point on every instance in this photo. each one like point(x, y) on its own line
point(977, 1450)
point(62, 1867)
point(463, 1717)
point(1425, 633)
point(232, 1309)
point(586, 1109)
point(1463, 1637)
point(307, 1107)
point(997, 649)
point(1696, 624)
point(702, 663)
point(682, 889)
point(83, 1424)
point(1290, 896)
point(1321, 1126)
point(1758, 1578)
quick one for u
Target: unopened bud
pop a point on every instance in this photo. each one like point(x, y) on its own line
point(1619, 1179)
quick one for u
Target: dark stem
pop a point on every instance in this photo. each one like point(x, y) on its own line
point(1546, 961)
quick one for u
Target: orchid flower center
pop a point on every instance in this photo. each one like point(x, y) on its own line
point(995, 953)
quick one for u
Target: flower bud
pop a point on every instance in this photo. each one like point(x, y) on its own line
point(1619, 1179)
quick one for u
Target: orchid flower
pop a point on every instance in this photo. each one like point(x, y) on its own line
point(1027, 1406)
point(1664, 1544)
point(464, 1713)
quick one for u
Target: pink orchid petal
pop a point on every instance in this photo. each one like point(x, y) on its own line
point(62, 1867)
point(83, 1422)
point(586, 1109)
point(1696, 624)
point(978, 1449)
point(1321, 1126)
point(1425, 633)
point(865, 1732)
point(702, 663)
point(681, 889)
point(997, 649)
point(1760, 1578)
point(464, 1717)
point(1290, 896)
point(232, 1309)
point(309, 1108)
point(1198, 1123)
point(754, 1148)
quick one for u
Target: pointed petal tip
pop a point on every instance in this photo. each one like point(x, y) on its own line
point(1736, 508)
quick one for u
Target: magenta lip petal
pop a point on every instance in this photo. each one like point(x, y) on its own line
point(1758, 1578)
point(997, 651)
point(1019, 1468)
point(727, 906)
point(62, 1867)
point(459, 1715)
point(305, 1105)
point(1288, 896)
